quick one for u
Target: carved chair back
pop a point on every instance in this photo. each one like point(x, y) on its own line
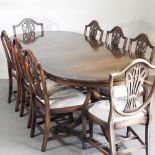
point(138, 46)
point(117, 37)
point(93, 30)
point(7, 45)
point(28, 27)
point(134, 76)
point(36, 77)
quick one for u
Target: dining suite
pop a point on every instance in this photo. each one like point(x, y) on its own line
point(60, 72)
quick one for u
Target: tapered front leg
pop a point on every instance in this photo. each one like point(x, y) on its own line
point(46, 132)
point(10, 87)
point(22, 101)
point(18, 97)
point(84, 124)
point(33, 123)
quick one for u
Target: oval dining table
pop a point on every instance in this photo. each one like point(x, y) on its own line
point(73, 59)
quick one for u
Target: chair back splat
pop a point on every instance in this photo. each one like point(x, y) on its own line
point(135, 75)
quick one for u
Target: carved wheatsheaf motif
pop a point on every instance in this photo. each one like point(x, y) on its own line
point(134, 79)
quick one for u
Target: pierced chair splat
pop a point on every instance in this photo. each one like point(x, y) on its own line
point(124, 112)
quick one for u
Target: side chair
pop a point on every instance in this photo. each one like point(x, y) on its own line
point(13, 71)
point(114, 38)
point(139, 45)
point(28, 27)
point(18, 52)
point(53, 103)
point(94, 28)
point(124, 112)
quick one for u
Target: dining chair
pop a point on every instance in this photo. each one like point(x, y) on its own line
point(139, 45)
point(93, 30)
point(13, 71)
point(125, 112)
point(56, 101)
point(28, 27)
point(116, 39)
point(17, 50)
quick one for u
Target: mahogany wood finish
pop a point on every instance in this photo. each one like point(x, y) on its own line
point(40, 100)
point(25, 89)
point(142, 43)
point(28, 27)
point(94, 42)
point(134, 76)
point(13, 71)
point(116, 36)
point(76, 62)
point(93, 30)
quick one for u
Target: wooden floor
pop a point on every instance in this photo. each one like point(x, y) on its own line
point(15, 139)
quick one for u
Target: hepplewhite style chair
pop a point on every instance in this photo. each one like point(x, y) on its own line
point(116, 39)
point(94, 29)
point(13, 71)
point(140, 45)
point(54, 102)
point(135, 108)
point(28, 28)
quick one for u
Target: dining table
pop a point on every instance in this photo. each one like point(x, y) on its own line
point(74, 59)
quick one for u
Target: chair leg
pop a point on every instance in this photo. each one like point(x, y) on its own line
point(91, 129)
point(147, 138)
point(112, 141)
point(128, 132)
point(46, 132)
point(30, 114)
point(18, 97)
point(105, 133)
point(33, 123)
point(10, 88)
point(84, 123)
point(71, 118)
point(22, 103)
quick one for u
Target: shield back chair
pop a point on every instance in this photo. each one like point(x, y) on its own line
point(59, 100)
point(139, 46)
point(13, 71)
point(93, 27)
point(25, 86)
point(116, 39)
point(18, 52)
point(28, 28)
point(133, 109)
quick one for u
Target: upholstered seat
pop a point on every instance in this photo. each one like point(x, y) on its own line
point(128, 105)
point(62, 97)
point(101, 110)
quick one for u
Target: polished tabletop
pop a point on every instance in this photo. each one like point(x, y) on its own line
point(71, 58)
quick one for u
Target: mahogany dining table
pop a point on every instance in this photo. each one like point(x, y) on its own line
point(73, 59)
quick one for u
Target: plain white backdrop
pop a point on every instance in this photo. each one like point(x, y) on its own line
point(134, 16)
